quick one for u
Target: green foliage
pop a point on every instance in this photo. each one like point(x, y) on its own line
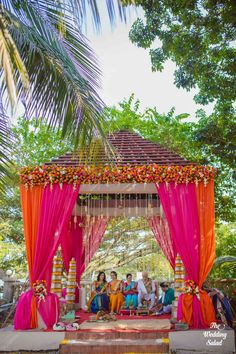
point(211, 140)
point(198, 36)
point(35, 143)
point(225, 264)
point(216, 135)
point(46, 64)
point(129, 246)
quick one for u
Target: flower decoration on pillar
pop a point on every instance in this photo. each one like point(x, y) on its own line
point(40, 290)
point(191, 288)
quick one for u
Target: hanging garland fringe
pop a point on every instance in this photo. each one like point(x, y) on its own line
point(49, 175)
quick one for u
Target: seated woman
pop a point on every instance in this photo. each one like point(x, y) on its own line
point(115, 293)
point(221, 304)
point(99, 299)
point(130, 291)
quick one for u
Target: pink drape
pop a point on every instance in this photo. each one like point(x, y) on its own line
point(72, 245)
point(82, 240)
point(180, 206)
point(94, 231)
point(56, 208)
point(160, 229)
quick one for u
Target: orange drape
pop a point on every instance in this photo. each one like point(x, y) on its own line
point(206, 213)
point(30, 202)
point(208, 312)
point(187, 309)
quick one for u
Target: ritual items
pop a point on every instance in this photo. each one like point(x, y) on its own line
point(59, 326)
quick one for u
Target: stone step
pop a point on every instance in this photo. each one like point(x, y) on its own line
point(118, 345)
point(93, 335)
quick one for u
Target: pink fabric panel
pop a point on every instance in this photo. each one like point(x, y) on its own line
point(56, 209)
point(82, 242)
point(160, 229)
point(55, 212)
point(180, 206)
point(179, 309)
point(50, 310)
point(94, 231)
point(23, 313)
point(72, 245)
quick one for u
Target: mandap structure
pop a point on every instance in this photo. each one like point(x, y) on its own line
point(68, 202)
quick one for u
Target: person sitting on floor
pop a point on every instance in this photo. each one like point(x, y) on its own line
point(116, 297)
point(99, 299)
point(146, 290)
point(164, 304)
point(130, 291)
point(221, 304)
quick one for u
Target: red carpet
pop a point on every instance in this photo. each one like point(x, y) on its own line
point(84, 316)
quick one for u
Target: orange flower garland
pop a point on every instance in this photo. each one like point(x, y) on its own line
point(191, 288)
point(40, 290)
point(44, 175)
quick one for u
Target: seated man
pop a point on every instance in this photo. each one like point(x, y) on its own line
point(165, 301)
point(146, 290)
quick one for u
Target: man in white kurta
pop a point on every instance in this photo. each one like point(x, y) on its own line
point(146, 290)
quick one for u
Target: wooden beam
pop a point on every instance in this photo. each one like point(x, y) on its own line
point(117, 188)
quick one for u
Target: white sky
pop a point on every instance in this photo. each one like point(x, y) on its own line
point(127, 69)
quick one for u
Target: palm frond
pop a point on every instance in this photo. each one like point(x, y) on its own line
point(11, 62)
point(62, 68)
point(95, 10)
point(5, 150)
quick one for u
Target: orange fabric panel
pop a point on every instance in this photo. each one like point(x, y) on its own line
point(208, 312)
point(187, 309)
point(206, 212)
point(30, 202)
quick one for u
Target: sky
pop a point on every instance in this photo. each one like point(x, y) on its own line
point(126, 69)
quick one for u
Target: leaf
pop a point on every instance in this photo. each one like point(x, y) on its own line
point(6, 139)
point(224, 259)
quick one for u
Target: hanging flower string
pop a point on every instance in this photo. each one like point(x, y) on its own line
point(49, 175)
point(191, 288)
point(40, 290)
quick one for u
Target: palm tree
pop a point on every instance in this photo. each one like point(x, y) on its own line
point(48, 66)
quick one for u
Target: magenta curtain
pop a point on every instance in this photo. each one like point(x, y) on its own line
point(56, 208)
point(94, 231)
point(82, 240)
point(160, 229)
point(72, 245)
point(180, 206)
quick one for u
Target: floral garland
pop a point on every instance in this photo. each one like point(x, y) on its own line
point(40, 290)
point(191, 288)
point(49, 175)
